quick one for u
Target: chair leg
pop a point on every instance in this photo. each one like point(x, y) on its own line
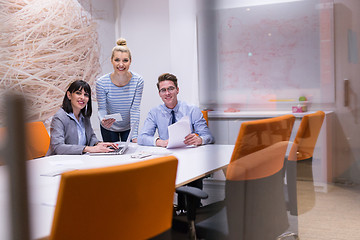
point(288, 234)
point(192, 231)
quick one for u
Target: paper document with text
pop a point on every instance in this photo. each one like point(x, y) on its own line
point(178, 131)
point(116, 116)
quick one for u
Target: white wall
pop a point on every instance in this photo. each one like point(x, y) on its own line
point(183, 48)
point(104, 15)
point(103, 12)
point(145, 26)
point(161, 36)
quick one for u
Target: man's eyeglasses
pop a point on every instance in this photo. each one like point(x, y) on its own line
point(170, 89)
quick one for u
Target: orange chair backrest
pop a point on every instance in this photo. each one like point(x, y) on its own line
point(260, 148)
point(206, 117)
point(3, 137)
point(306, 136)
point(2, 144)
point(37, 140)
point(132, 201)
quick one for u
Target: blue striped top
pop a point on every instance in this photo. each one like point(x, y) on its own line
point(124, 100)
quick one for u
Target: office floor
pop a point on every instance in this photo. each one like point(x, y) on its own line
point(176, 235)
point(334, 215)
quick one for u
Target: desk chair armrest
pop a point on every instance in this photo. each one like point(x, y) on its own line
point(192, 195)
point(192, 191)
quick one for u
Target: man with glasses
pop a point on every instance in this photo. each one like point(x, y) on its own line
point(168, 113)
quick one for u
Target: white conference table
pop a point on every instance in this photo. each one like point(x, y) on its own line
point(194, 163)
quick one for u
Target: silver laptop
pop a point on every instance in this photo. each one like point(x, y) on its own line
point(122, 149)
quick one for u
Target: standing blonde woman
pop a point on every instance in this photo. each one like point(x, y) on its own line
point(119, 92)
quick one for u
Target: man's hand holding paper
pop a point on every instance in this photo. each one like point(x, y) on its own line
point(193, 139)
point(180, 134)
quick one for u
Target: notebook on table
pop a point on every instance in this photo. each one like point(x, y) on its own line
point(122, 149)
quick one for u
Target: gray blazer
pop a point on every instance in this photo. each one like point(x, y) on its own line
point(64, 135)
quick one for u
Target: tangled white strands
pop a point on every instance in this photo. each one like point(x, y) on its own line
point(44, 46)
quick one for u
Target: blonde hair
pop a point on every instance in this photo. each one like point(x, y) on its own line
point(121, 47)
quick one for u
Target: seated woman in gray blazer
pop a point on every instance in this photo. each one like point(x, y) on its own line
point(71, 131)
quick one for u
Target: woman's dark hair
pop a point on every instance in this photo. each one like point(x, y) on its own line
point(75, 86)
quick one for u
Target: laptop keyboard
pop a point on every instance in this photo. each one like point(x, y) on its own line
point(116, 150)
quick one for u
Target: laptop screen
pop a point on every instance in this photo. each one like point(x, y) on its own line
point(129, 138)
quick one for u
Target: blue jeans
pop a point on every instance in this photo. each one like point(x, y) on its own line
point(110, 136)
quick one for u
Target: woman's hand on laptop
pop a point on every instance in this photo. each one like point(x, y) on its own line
point(109, 145)
point(101, 147)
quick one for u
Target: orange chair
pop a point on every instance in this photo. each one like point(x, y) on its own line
point(254, 206)
point(299, 161)
point(259, 134)
point(254, 182)
point(133, 201)
point(37, 140)
point(306, 136)
point(206, 117)
point(2, 144)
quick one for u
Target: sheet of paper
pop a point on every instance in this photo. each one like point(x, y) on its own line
point(153, 150)
point(56, 172)
point(59, 161)
point(177, 133)
point(116, 116)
